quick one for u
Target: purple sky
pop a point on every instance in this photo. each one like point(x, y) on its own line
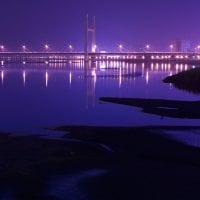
point(130, 22)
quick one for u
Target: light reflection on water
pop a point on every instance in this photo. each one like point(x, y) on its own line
point(36, 96)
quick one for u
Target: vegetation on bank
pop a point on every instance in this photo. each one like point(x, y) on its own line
point(186, 80)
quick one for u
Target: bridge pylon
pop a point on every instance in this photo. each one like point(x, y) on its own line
point(93, 31)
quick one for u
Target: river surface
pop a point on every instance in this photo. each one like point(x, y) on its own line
point(37, 96)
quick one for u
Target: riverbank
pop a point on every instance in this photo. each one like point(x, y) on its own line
point(140, 162)
point(186, 80)
point(26, 162)
point(145, 164)
point(161, 107)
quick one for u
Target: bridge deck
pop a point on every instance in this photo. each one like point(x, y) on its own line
point(62, 57)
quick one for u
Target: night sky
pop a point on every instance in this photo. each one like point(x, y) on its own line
point(133, 23)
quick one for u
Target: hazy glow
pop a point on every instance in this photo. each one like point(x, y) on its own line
point(24, 48)
point(70, 78)
point(46, 79)
point(103, 66)
point(147, 46)
point(2, 76)
point(143, 69)
point(120, 46)
point(171, 47)
point(93, 72)
point(120, 77)
point(94, 47)
point(24, 77)
point(46, 46)
point(147, 77)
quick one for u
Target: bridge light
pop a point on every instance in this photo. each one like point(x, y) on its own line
point(198, 48)
point(94, 48)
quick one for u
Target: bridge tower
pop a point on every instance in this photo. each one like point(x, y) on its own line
point(93, 31)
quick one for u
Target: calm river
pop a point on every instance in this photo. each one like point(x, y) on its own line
point(38, 96)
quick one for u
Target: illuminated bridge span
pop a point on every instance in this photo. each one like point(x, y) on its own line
point(63, 57)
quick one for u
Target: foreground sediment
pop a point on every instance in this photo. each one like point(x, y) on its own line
point(143, 164)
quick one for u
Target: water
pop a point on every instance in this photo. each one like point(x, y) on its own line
point(36, 96)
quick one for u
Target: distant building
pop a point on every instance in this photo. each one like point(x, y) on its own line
point(181, 46)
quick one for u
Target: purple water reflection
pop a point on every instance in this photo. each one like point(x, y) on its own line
point(34, 96)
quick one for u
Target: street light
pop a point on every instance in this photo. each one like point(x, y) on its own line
point(120, 46)
point(147, 47)
point(46, 46)
point(70, 48)
point(2, 48)
point(24, 48)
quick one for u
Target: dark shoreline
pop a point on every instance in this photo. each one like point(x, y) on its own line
point(187, 80)
point(161, 107)
point(144, 163)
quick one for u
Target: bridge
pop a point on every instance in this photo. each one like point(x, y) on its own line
point(93, 56)
point(66, 57)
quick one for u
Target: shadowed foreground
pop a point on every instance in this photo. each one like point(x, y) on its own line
point(140, 163)
point(144, 164)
